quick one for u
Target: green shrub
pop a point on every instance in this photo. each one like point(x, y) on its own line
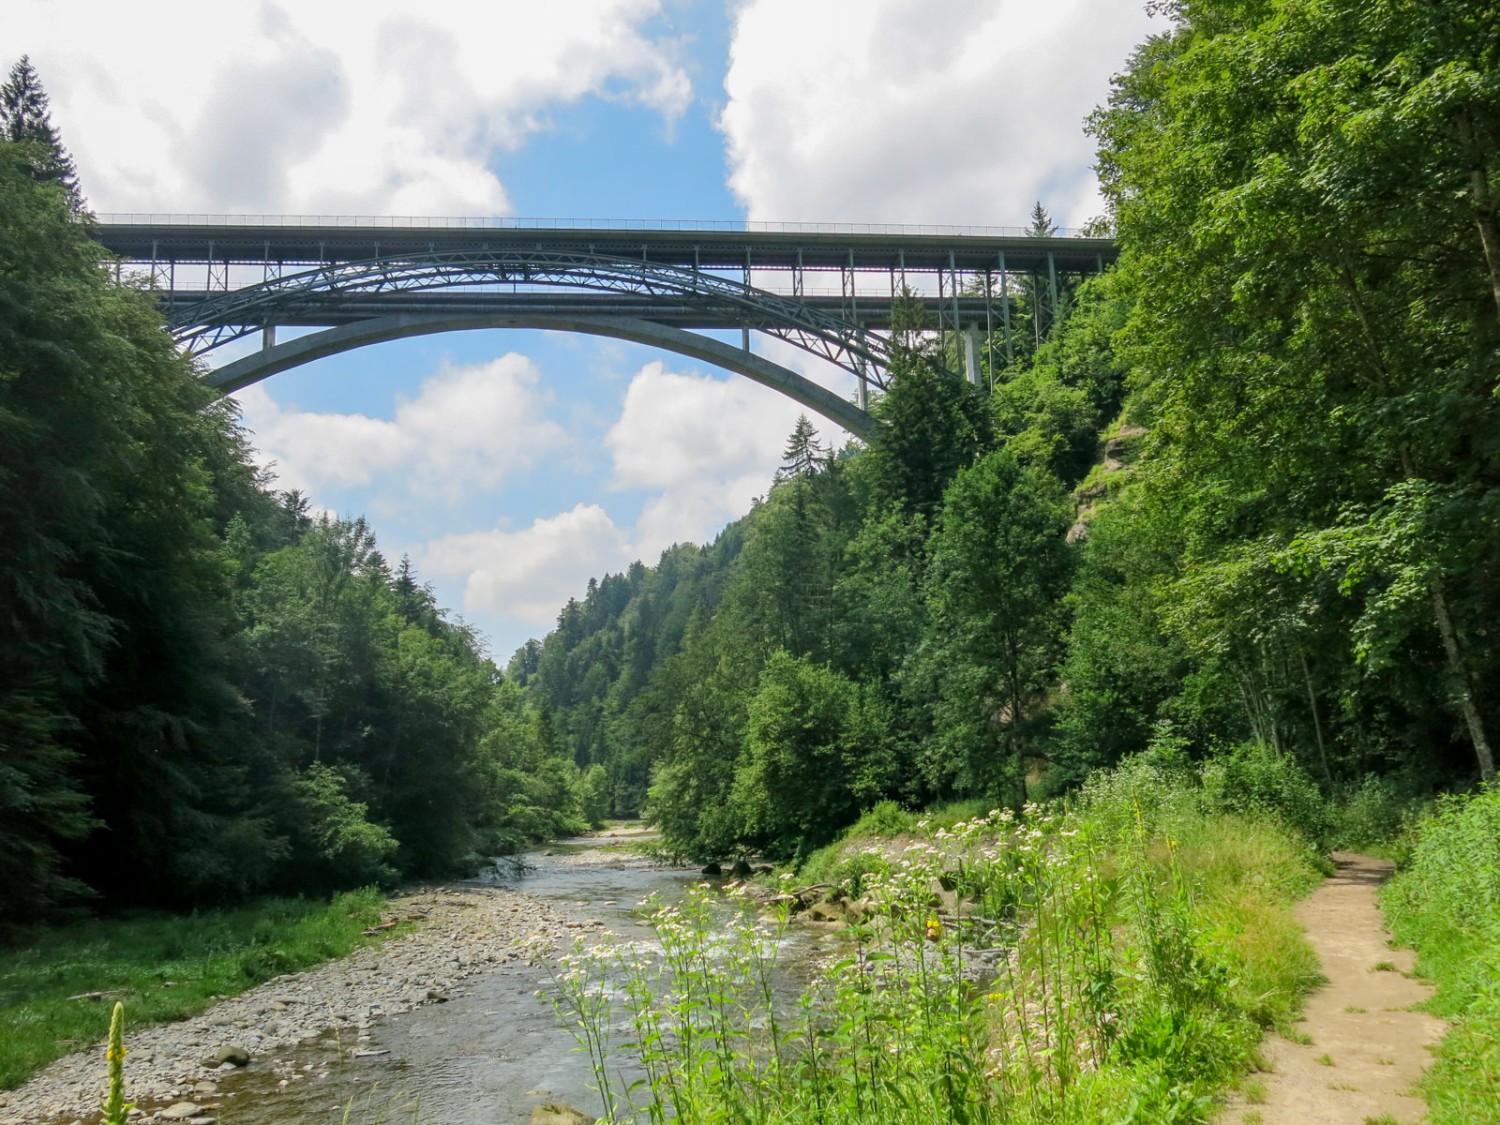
point(1256, 781)
point(886, 819)
point(1446, 903)
point(1376, 815)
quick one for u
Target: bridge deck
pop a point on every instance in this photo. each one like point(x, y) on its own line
point(328, 310)
point(707, 249)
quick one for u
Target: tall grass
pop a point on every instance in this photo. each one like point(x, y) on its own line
point(163, 966)
point(1445, 902)
point(1113, 960)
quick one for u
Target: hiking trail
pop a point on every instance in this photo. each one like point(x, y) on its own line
point(1367, 1046)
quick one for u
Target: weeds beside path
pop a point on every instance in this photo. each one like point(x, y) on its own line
point(1366, 1047)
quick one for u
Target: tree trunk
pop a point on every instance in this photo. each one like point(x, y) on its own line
point(1461, 682)
point(1484, 208)
point(1312, 701)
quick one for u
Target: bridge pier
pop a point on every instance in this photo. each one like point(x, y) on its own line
point(971, 354)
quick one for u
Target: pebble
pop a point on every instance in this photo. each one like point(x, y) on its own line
point(464, 932)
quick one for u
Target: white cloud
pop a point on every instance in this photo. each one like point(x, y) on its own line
point(909, 111)
point(709, 444)
point(324, 108)
point(525, 576)
point(677, 428)
point(695, 512)
point(466, 430)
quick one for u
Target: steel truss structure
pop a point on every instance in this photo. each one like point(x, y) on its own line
point(223, 280)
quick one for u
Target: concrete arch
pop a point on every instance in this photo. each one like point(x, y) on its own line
point(241, 373)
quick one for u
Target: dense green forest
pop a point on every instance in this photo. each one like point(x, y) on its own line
point(1239, 492)
point(206, 692)
point(1243, 488)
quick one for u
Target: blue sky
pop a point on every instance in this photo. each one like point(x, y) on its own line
point(512, 466)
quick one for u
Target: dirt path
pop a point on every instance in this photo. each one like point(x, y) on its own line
point(1366, 1047)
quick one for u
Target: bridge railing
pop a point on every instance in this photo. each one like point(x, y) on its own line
point(507, 222)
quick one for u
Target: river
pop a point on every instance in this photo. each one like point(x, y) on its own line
point(489, 1056)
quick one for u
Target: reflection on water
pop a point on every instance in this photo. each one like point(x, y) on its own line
point(488, 1056)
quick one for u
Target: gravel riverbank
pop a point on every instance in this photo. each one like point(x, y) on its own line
point(456, 933)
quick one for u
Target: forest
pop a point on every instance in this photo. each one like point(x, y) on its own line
point(1196, 582)
point(206, 691)
point(1239, 492)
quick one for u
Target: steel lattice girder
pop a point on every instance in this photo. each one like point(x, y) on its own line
point(207, 323)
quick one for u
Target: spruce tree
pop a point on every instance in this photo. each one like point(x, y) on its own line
point(804, 455)
point(26, 119)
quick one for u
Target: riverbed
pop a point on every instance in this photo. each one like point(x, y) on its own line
point(452, 1022)
point(489, 1055)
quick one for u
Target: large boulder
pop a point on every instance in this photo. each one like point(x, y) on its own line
point(234, 1055)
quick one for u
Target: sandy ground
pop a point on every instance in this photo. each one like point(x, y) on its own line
point(1368, 1047)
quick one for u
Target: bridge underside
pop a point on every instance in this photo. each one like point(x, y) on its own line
point(241, 373)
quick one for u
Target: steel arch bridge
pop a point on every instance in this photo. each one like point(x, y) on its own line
point(363, 281)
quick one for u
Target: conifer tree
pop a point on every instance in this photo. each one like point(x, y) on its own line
point(26, 119)
point(804, 455)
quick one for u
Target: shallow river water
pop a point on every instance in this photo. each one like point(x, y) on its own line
point(487, 1057)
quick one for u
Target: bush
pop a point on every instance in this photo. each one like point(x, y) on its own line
point(1256, 781)
point(1446, 903)
point(885, 819)
point(1376, 814)
point(344, 848)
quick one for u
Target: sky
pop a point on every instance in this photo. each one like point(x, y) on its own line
point(511, 466)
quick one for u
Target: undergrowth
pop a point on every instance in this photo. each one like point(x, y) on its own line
point(1113, 959)
point(1445, 902)
point(165, 967)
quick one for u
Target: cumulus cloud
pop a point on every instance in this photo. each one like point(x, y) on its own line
point(709, 445)
point(525, 576)
point(313, 108)
point(963, 112)
point(466, 429)
point(702, 448)
point(676, 428)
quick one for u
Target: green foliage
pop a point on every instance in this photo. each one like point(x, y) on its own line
point(1446, 903)
point(25, 120)
point(337, 835)
point(204, 693)
point(1142, 963)
point(1308, 187)
point(999, 570)
point(1254, 780)
point(1376, 814)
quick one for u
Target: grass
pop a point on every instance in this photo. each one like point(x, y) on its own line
point(164, 967)
point(1445, 903)
point(1140, 940)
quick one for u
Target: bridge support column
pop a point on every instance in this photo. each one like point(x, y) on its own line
point(971, 354)
point(268, 337)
